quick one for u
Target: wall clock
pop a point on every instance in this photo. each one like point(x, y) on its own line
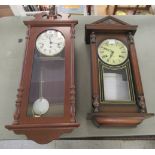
point(117, 92)
point(45, 106)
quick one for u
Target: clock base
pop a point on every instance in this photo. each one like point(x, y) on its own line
point(43, 134)
point(118, 119)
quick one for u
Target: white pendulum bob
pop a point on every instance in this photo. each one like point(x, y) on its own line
point(41, 105)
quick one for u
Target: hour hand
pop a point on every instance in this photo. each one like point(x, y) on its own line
point(112, 52)
point(50, 40)
point(108, 49)
point(53, 41)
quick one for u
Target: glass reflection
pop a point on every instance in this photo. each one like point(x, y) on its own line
point(116, 85)
point(46, 96)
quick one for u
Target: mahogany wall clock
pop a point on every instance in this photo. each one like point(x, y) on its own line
point(117, 92)
point(45, 106)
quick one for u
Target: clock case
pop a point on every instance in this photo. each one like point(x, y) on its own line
point(45, 129)
point(115, 113)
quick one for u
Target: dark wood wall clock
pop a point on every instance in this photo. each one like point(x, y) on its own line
point(117, 92)
point(45, 106)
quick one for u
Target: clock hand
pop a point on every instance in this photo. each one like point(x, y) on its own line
point(50, 40)
point(108, 49)
point(112, 53)
point(53, 41)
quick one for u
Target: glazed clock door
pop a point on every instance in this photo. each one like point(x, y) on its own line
point(47, 87)
point(115, 80)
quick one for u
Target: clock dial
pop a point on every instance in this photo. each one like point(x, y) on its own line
point(50, 42)
point(112, 52)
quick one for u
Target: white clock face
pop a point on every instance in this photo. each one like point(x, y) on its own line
point(50, 42)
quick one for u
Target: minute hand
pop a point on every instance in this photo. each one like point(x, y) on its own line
point(108, 49)
point(112, 52)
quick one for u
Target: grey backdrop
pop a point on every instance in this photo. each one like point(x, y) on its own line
point(11, 56)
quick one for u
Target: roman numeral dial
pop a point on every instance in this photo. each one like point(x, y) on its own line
point(112, 52)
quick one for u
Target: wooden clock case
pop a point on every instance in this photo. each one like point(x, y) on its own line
point(45, 129)
point(115, 114)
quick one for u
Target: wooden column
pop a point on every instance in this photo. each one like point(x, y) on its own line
point(136, 74)
point(94, 72)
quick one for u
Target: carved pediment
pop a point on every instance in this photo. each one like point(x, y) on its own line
point(110, 20)
point(108, 24)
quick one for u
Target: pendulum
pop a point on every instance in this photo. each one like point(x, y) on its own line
point(41, 105)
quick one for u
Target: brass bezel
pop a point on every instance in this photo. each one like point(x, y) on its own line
point(112, 64)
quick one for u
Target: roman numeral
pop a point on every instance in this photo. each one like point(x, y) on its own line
point(104, 56)
point(101, 51)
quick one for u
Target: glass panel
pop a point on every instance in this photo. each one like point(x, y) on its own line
point(116, 85)
point(46, 96)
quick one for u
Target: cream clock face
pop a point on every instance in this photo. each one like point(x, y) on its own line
point(50, 42)
point(112, 52)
